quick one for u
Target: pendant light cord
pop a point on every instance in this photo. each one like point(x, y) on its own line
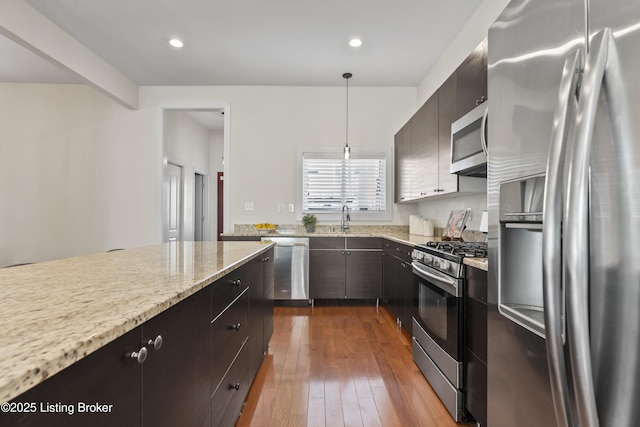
point(347, 76)
point(346, 136)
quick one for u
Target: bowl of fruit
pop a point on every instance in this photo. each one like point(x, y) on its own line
point(264, 228)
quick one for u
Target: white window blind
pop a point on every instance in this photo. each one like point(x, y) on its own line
point(329, 182)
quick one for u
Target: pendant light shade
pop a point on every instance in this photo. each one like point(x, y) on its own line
point(347, 149)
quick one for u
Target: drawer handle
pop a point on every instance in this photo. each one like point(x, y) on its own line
point(140, 355)
point(236, 282)
point(235, 386)
point(235, 327)
point(265, 259)
point(156, 343)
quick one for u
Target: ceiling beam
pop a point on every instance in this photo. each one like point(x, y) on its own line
point(26, 26)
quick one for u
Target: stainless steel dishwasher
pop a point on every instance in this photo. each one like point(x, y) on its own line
point(291, 268)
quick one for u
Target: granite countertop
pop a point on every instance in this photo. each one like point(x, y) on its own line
point(55, 313)
point(481, 263)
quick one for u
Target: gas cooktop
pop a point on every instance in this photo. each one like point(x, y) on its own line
point(447, 256)
point(458, 249)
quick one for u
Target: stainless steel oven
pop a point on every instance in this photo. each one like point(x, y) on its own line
point(438, 319)
point(439, 308)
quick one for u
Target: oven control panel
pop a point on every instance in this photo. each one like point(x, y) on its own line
point(434, 261)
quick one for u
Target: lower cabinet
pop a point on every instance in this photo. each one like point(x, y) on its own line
point(175, 380)
point(475, 365)
point(201, 357)
point(345, 268)
point(109, 377)
point(398, 282)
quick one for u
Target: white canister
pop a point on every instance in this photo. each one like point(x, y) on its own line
point(415, 224)
point(427, 227)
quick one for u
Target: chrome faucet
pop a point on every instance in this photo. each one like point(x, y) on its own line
point(344, 222)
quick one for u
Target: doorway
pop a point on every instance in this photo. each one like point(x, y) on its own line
point(173, 202)
point(220, 205)
point(196, 140)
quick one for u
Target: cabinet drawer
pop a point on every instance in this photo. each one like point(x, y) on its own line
point(364, 243)
point(224, 291)
point(227, 401)
point(327, 243)
point(398, 250)
point(226, 340)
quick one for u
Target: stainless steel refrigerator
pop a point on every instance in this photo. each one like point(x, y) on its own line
point(564, 214)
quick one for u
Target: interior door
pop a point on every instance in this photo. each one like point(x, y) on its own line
point(173, 202)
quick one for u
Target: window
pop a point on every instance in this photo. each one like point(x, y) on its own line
point(329, 182)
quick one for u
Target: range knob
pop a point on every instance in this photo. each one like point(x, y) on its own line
point(444, 264)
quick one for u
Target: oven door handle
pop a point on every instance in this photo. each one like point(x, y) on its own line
point(446, 283)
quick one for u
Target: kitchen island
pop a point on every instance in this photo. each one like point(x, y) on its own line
point(57, 313)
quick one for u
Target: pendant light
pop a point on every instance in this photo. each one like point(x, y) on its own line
point(347, 149)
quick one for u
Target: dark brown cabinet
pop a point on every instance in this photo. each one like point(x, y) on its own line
point(475, 366)
point(268, 295)
point(108, 376)
point(398, 282)
point(423, 145)
point(447, 182)
point(424, 149)
point(472, 80)
point(402, 164)
point(176, 378)
point(345, 268)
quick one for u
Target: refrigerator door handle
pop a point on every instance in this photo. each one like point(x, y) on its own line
point(576, 243)
point(551, 243)
point(483, 131)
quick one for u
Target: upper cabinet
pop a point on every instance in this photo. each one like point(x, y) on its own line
point(472, 80)
point(423, 144)
point(416, 154)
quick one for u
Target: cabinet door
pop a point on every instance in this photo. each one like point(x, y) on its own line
point(255, 346)
point(268, 284)
point(403, 164)
point(393, 286)
point(364, 274)
point(475, 303)
point(176, 382)
point(106, 376)
point(327, 270)
point(447, 182)
point(424, 149)
point(472, 80)
point(408, 302)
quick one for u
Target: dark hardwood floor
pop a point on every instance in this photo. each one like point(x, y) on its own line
point(340, 366)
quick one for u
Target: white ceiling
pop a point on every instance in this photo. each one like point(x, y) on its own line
point(253, 42)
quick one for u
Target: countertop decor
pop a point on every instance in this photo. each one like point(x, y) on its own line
point(55, 313)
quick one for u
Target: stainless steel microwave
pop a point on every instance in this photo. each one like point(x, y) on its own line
point(469, 143)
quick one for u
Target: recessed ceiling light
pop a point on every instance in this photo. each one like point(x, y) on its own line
point(176, 43)
point(355, 43)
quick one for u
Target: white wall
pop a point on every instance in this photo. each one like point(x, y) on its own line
point(268, 124)
point(187, 145)
point(78, 173)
